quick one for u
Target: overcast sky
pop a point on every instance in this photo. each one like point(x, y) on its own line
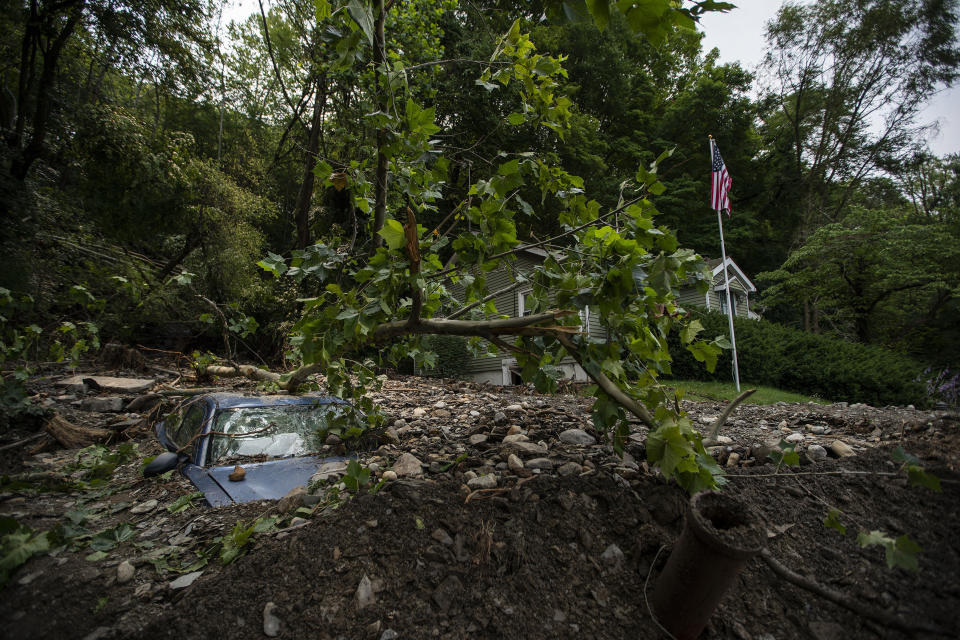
point(739, 36)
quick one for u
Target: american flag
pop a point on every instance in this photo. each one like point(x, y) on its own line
point(720, 182)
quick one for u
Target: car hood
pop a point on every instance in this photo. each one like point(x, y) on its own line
point(269, 480)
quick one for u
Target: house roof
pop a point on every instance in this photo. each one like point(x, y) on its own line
point(715, 266)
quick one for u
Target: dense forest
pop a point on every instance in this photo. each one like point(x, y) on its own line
point(176, 179)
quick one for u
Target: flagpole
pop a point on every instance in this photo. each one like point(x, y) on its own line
point(726, 277)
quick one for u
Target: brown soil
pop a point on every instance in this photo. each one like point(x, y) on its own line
point(527, 561)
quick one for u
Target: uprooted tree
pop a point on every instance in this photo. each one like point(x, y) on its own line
point(382, 297)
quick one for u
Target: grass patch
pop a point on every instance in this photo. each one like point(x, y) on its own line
point(726, 391)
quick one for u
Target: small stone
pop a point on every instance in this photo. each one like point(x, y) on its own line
point(364, 594)
point(391, 436)
point(419, 412)
point(446, 591)
point(724, 440)
point(540, 463)
point(389, 475)
point(374, 628)
point(440, 404)
point(733, 460)
point(143, 589)
point(469, 475)
point(407, 465)
point(841, 449)
point(389, 634)
point(782, 425)
point(144, 507)
point(238, 474)
point(818, 429)
point(477, 438)
point(488, 481)
point(271, 623)
point(441, 536)
point(577, 436)
point(291, 501)
point(527, 448)
point(559, 616)
point(185, 580)
point(499, 418)
point(514, 430)
point(795, 437)
point(612, 555)
point(514, 463)
point(125, 572)
point(569, 469)
point(515, 437)
point(109, 404)
point(514, 408)
point(296, 523)
point(333, 440)
point(816, 453)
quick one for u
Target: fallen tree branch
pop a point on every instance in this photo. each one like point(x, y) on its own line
point(244, 370)
point(20, 443)
point(711, 439)
point(871, 613)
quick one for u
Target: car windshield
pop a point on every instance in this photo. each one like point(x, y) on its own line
point(275, 431)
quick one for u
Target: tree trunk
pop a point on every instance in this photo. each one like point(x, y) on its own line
point(380, 181)
point(301, 210)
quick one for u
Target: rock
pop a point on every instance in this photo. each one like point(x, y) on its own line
point(364, 593)
point(391, 436)
point(783, 425)
point(238, 474)
point(569, 469)
point(816, 453)
point(841, 449)
point(514, 430)
point(143, 507)
point(477, 438)
point(144, 403)
point(185, 580)
point(577, 436)
point(515, 437)
point(108, 404)
point(528, 448)
point(442, 537)
point(795, 437)
point(333, 440)
point(109, 383)
point(419, 412)
point(389, 475)
point(499, 418)
point(143, 590)
point(296, 523)
point(724, 440)
point(125, 572)
point(487, 481)
point(446, 591)
point(291, 501)
point(329, 469)
point(514, 408)
point(540, 463)
point(514, 463)
point(271, 623)
point(440, 404)
point(733, 460)
point(612, 555)
point(389, 634)
point(818, 429)
point(407, 465)
point(441, 413)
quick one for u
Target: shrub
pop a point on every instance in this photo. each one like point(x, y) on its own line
point(814, 364)
point(452, 355)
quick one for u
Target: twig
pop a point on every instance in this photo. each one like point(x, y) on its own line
point(871, 613)
point(712, 438)
point(226, 435)
point(19, 443)
point(497, 490)
point(647, 601)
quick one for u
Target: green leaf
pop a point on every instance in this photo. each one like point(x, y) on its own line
point(96, 556)
point(362, 14)
point(392, 233)
point(832, 521)
point(273, 263)
point(516, 119)
point(600, 10)
point(920, 478)
point(109, 538)
point(184, 502)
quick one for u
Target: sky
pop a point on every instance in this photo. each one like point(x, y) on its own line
point(739, 37)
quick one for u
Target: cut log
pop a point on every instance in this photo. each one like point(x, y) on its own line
point(73, 436)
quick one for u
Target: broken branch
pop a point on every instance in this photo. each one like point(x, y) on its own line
point(711, 439)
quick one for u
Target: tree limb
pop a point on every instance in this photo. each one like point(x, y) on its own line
point(711, 438)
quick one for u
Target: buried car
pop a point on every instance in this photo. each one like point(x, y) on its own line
point(237, 448)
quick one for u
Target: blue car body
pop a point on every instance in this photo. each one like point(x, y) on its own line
point(268, 480)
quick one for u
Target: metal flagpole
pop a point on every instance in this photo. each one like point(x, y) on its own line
point(726, 277)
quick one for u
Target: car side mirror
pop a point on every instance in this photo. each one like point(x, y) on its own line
point(166, 461)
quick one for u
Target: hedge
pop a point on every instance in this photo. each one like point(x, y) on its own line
point(813, 364)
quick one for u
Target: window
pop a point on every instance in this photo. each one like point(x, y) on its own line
point(723, 301)
point(189, 426)
point(585, 319)
point(525, 302)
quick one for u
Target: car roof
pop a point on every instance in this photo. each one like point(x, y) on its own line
point(235, 400)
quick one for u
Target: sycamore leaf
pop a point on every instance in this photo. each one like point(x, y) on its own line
point(392, 233)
